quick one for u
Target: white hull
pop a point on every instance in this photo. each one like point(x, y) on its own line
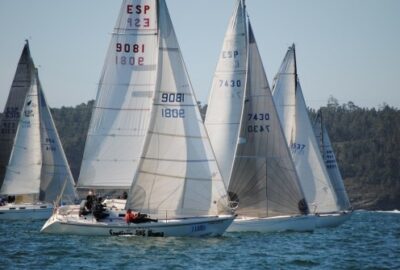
point(332, 220)
point(26, 211)
point(198, 226)
point(273, 224)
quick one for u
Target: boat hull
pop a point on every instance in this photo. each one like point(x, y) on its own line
point(332, 220)
point(38, 211)
point(273, 224)
point(197, 226)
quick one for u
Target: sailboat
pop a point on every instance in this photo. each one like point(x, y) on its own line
point(248, 140)
point(177, 183)
point(332, 167)
point(37, 171)
point(310, 166)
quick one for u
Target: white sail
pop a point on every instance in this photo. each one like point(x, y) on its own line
point(55, 172)
point(300, 137)
point(12, 111)
point(178, 175)
point(24, 169)
point(329, 158)
point(226, 98)
point(121, 112)
point(263, 179)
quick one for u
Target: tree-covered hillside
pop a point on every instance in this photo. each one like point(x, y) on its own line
point(366, 144)
point(367, 147)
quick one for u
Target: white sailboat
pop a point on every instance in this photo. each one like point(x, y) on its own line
point(292, 111)
point(176, 179)
point(248, 140)
point(37, 171)
point(345, 210)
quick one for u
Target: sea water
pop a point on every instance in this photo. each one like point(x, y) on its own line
point(369, 240)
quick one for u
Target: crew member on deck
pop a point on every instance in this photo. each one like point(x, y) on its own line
point(130, 216)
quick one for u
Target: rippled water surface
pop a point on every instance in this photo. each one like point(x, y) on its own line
point(369, 240)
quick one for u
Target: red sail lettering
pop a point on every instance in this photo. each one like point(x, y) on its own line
point(129, 9)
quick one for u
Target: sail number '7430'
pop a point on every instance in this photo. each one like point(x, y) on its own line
point(258, 126)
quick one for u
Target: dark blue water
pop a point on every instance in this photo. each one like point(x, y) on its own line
point(370, 240)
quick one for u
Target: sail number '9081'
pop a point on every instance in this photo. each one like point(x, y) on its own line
point(172, 112)
point(126, 48)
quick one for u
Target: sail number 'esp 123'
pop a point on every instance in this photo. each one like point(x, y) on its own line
point(172, 98)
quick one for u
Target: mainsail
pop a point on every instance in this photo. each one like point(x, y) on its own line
point(292, 111)
point(263, 179)
point(12, 111)
point(226, 98)
point(121, 113)
point(330, 162)
point(24, 169)
point(177, 175)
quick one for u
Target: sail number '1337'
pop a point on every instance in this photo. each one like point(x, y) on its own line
point(172, 98)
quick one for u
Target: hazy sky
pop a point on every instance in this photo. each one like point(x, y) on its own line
point(345, 48)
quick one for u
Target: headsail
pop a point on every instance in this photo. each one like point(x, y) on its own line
point(329, 158)
point(121, 112)
point(23, 170)
point(263, 179)
point(300, 137)
point(13, 109)
point(177, 175)
point(55, 169)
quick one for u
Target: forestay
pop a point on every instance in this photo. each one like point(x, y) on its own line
point(178, 175)
point(330, 162)
point(121, 112)
point(12, 111)
point(226, 98)
point(300, 137)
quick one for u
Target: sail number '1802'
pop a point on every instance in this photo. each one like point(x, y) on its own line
point(172, 98)
point(258, 125)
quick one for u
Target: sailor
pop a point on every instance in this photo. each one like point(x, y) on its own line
point(99, 210)
point(303, 207)
point(90, 200)
point(130, 216)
